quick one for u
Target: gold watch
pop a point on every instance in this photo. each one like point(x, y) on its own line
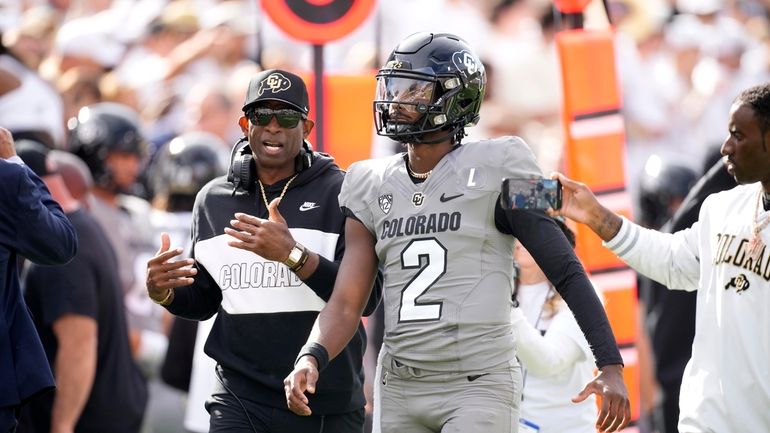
point(297, 257)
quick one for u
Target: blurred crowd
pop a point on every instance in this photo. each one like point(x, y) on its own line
point(183, 64)
point(181, 67)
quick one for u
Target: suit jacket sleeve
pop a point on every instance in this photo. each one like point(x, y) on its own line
point(31, 222)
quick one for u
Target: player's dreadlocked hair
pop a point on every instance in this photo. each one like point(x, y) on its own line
point(758, 98)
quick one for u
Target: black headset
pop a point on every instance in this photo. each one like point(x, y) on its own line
point(243, 171)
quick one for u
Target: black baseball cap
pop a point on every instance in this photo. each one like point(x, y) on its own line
point(277, 85)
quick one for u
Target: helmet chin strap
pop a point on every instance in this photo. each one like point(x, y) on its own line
point(456, 134)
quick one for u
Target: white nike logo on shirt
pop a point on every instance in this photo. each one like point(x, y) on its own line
point(308, 205)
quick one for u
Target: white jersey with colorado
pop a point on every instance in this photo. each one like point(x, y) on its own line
point(726, 384)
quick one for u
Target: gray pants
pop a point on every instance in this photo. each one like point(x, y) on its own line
point(410, 400)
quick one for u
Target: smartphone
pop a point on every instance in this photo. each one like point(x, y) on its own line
point(541, 194)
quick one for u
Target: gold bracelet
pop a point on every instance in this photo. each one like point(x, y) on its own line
point(167, 300)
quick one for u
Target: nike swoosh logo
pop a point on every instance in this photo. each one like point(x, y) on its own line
point(307, 207)
point(445, 198)
point(476, 376)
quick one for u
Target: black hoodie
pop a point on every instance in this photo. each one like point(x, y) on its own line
point(265, 313)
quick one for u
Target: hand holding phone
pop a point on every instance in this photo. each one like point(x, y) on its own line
point(539, 194)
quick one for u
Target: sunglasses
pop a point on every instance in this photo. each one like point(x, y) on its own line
point(287, 118)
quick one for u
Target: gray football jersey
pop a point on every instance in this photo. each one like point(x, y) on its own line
point(447, 269)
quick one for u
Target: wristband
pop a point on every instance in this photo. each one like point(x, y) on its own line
point(318, 352)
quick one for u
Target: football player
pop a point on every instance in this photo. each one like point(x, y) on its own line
point(431, 218)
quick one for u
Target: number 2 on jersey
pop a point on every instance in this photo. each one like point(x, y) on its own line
point(432, 268)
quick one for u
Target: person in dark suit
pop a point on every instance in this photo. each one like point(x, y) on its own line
point(32, 225)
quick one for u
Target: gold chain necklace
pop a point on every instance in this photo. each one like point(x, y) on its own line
point(280, 197)
point(421, 176)
point(755, 243)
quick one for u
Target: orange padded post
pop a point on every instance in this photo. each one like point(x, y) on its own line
point(571, 6)
point(349, 123)
point(593, 154)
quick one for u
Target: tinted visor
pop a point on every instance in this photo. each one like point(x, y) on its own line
point(414, 94)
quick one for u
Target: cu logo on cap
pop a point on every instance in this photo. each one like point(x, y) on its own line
point(464, 60)
point(276, 82)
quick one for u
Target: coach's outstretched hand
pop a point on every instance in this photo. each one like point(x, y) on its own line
point(580, 205)
point(608, 385)
point(163, 275)
point(303, 378)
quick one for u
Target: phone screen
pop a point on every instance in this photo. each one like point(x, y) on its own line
point(541, 194)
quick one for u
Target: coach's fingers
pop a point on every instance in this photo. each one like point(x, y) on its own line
point(163, 257)
point(274, 214)
point(165, 243)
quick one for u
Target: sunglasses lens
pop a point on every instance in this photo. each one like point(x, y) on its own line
point(261, 118)
point(286, 118)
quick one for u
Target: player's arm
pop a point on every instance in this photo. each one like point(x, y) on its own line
point(75, 368)
point(339, 319)
point(540, 235)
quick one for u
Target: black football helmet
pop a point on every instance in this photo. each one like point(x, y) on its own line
point(100, 129)
point(662, 187)
point(430, 82)
point(186, 163)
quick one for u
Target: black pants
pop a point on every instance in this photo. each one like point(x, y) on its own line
point(228, 416)
point(666, 418)
point(9, 419)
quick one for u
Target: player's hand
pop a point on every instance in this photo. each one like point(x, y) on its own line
point(608, 385)
point(269, 238)
point(302, 379)
point(163, 274)
point(7, 149)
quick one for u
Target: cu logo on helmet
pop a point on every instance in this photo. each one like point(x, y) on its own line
point(465, 61)
point(275, 82)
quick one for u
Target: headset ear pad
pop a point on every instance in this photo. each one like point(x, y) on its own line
point(305, 157)
point(242, 168)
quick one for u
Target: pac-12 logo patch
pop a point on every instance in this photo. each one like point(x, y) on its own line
point(386, 202)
